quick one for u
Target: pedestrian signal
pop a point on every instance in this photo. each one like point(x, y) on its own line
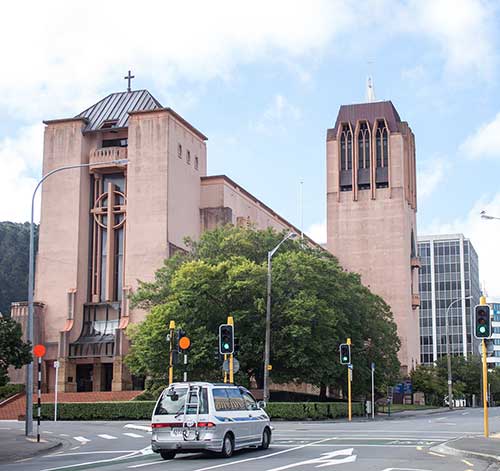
point(482, 319)
point(226, 339)
point(345, 354)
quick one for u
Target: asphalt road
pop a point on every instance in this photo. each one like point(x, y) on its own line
point(383, 445)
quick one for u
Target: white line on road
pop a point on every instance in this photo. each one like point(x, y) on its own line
point(148, 464)
point(63, 435)
point(405, 469)
point(264, 456)
point(144, 428)
point(133, 435)
point(326, 459)
point(82, 439)
point(61, 453)
point(107, 437)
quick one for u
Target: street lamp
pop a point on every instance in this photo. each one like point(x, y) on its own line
point(267, 346)
point(487, 216)
point(31, 283)
point(448, 357)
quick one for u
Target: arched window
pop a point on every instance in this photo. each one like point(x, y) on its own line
point(382, 145)
point(346, 148)
point(363, 146)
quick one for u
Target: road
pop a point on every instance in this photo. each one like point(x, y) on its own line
point(383, 445)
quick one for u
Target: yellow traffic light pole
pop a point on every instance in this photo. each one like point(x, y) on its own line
point(230, 321)
point(171, 353)
point(482, 302)
point(349, 379)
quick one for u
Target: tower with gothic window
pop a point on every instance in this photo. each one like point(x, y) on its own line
point(371, 210)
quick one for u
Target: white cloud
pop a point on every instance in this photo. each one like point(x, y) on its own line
point(484, 236)
point(429, 175)
point(485, 142)
point(317, 232)
point(19, 159)
point(276, 116)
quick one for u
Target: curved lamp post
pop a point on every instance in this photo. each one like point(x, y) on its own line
point(267, 346)
point(448, 357)
point(31, 283)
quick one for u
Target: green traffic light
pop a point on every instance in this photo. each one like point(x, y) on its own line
point(226, 346)
point(344, 358)
point(482, 329)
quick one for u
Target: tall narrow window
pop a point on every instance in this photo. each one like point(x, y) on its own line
point(188, 157)
point(109, 211)
point(364, 156)
point(382, 155)
point(346, 158)
point(179, 151)
point(364, 146)
point(196, 162)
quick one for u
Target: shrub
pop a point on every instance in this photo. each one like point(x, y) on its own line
point(9, 390)
point(142, 410)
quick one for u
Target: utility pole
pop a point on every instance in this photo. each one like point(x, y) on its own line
point(171, 353)
point(349, 380)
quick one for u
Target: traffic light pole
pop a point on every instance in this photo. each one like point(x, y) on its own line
point(171, 353)
point(230, 321)
point(482, 302)
point(349, 380)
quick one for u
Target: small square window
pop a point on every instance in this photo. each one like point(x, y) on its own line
point(188, 157)
point(179, 151)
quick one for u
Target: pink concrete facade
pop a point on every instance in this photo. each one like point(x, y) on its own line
point(371, 223)
point(107, 225)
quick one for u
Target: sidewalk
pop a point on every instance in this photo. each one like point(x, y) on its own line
point(413, 413)
point(14, 445)
point(473, 447)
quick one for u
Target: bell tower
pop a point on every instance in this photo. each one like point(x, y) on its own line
point(371, 210)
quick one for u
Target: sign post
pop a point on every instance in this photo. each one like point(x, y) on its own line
point(171, 352)
point(39, 351)
point(56, 366)
point(373, 390)
point(230, 321)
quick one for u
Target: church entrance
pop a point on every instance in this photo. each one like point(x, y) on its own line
point(84, 376)
point(106, 376)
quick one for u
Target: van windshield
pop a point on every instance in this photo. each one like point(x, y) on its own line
point(173, 400)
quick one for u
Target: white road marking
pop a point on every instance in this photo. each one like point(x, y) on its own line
point(46, 431)
point(148, 464)
point(260, 457)
point(436, 454)
point(405, 469)
point(133, 435)
point(24, 459)
point(144, 428)
point(63, 435)
point(75, 448)
point(326, 459)
point(107, 437)
point(468, 463)
point(465, 413)
point(82, 439)
point(61, 453)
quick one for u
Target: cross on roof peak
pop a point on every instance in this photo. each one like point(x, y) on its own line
point(129, 78)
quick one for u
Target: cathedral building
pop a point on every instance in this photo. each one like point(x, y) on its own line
point(113, 222)
point(371, 210)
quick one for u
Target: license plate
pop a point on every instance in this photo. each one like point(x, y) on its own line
point(176, 432)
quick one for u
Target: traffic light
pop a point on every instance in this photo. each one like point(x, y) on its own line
point(226, 339)
point(183, 342)
point(345, 354)
point(482, 319)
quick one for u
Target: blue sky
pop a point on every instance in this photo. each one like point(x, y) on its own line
point(264, 81)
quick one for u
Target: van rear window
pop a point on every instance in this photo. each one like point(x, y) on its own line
point(226, 399)
point(173, 400)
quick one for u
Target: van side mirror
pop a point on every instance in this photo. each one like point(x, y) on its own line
point(261, 404)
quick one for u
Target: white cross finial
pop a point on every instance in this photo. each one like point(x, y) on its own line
point(370, 91)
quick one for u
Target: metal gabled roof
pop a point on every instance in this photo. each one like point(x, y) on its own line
point(116, 107)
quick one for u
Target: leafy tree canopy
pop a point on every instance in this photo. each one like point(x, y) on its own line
point(13, 351)
point(316, 305)
point(14, 255)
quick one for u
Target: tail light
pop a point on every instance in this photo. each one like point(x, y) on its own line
point(179, 424)
point(206, 424)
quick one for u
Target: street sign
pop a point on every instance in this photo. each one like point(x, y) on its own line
point(236, 365)
point(39, 350)
point(56, 364)
point(490, 348)
point(373, 366)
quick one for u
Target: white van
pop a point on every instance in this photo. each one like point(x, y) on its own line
point(198, 416)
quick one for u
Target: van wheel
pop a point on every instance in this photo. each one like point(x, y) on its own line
point(227, 446)
point(167, 455)
point(266, 439)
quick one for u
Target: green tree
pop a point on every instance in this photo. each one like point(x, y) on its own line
point(315, 306)
point(13, 351)
point(14, 254)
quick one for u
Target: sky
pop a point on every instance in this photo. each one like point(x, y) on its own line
point(264, 80)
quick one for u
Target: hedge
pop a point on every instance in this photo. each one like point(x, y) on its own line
point(142, 410)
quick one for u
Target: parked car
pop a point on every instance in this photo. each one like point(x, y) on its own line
point(212, 417)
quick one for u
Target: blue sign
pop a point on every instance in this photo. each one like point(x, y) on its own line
point(398, 389)
point(408, 388)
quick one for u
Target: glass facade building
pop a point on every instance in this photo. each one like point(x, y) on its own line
point(494, 359)
point(449, 273)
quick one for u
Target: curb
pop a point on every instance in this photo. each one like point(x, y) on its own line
point(449, 450)
point(11, 459)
